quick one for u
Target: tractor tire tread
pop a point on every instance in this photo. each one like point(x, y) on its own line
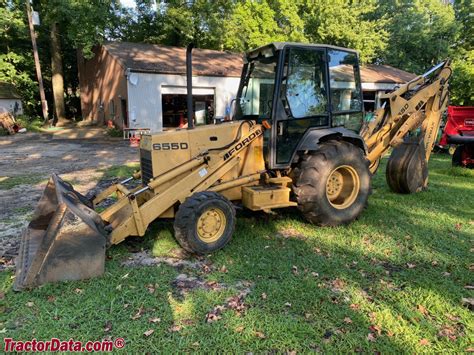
point(186, 216)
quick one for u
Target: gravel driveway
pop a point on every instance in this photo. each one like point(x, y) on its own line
point(29, 159)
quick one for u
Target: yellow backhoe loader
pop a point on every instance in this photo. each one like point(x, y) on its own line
point(297, 138)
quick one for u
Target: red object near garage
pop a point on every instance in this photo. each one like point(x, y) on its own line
point(459, 130)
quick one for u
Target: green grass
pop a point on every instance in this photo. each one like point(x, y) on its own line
point(125, 170)
point(10, 182)
point(397, 273)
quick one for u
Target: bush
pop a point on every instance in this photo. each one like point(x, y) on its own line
point(114, 132)
point(32, 124)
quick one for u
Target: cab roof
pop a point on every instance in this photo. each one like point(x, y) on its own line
point(277, 46)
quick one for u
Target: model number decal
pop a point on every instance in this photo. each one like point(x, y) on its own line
point(170, 146)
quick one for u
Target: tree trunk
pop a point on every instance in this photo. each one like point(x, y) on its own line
point(57, 76)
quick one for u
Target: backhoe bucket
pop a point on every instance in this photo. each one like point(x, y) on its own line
point(65, 240)
point(407, 170)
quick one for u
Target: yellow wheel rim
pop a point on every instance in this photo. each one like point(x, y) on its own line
point(211, 225)
point(342, 187)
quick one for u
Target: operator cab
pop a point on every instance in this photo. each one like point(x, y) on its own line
point(298, 88)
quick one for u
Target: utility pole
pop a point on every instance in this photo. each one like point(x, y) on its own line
point(44, 103)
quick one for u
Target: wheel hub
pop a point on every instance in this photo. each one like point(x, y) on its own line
point(211, 225)
point(342, 186)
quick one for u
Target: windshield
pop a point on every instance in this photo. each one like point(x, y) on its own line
point(256, 95)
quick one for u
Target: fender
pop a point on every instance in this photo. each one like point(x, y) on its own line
point(314, 137)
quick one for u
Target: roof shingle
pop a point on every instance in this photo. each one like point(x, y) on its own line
point(172, 60)
point(161, 59)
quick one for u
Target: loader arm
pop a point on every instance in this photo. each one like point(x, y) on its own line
point(130, 218)
point(418, 104)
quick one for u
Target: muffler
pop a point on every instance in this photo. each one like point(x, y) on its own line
point(65, 239)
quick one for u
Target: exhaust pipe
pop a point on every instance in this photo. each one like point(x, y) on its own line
point(189, 83)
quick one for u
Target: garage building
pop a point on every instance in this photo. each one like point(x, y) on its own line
point(143, 86)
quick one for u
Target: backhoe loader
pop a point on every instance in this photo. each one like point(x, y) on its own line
point(297, 139)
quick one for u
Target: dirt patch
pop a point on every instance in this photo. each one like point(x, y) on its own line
point(145, 258)
point(27, 162)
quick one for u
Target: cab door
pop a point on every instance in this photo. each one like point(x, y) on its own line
point(301, 100)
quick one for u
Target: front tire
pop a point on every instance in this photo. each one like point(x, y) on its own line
point(204, 222)
point(332, 185)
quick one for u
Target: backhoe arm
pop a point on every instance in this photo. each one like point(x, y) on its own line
point(418, 104)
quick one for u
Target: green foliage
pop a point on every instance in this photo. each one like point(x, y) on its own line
point(462, 82)
point(252, 24)
point(31, 123)
point(16, 62)
point(84, 23)
point(421, 33)
point(346, 24)
point(114, 132)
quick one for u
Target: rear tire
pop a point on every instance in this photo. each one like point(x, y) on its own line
point(457, 156)
point(204, 222)
point(463, 153)
point(332, 185)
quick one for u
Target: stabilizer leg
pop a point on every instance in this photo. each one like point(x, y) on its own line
point(407, 170)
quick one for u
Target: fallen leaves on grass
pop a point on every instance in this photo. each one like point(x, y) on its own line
point(223, 269)
point(424, 342)
point(79, 291)
point(338, 285)
point(447, 332)
point(411, 266)
point(51, 299)
point(30, 304)
point(107, 326)
point(148, 332)
point(260, 335)
point(422, 310)
point(469, 302)
point(215, 314)
point(354, 306)
point(235, 303)
point(138, 314)
point(347, 320)
point(151, 288)
point(294, 270)
point(371, 337)
point(175, 328)
point(154, 320)
point(453, 318)
point(264, 296)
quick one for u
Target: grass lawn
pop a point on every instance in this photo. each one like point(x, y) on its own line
point(393, 281)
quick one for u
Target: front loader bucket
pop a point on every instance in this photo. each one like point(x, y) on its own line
point(65, 240)
point(407, 170)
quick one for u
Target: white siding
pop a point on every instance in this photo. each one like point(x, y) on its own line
point(9, 105)
point(144, 95)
